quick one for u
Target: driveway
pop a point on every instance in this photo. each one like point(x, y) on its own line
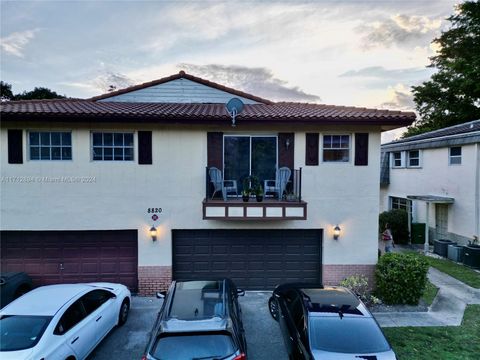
point(128, 342)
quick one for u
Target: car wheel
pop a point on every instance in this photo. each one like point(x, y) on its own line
point(123, 314)
point(273, 307)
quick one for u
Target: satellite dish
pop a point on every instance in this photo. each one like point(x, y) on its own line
point(234, 108)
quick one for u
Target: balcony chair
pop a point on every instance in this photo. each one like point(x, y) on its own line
point(278, 185)
point(225, 186)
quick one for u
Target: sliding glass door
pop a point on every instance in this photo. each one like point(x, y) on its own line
point(249, 155)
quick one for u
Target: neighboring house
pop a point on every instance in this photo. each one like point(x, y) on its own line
point(436, 176)
point(84, 182)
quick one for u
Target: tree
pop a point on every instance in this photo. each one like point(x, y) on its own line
point(452, 95)
point(37, 93)
point(5, 91)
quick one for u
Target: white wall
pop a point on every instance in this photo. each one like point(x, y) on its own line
point(178, 91)
point(336, 193)
point(437, 177)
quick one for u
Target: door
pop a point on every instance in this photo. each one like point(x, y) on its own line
point(250, 155)
point(99, 307)
point(253, 259)
point(441, 221)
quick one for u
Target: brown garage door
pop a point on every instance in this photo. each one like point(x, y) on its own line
point(53, 257)
point(253, 259)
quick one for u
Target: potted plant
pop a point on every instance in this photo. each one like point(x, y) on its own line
point(291, 197)
point(259, 193)
point(246, 189)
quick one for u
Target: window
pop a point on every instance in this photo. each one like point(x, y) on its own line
point(112, 146)
point(397, 159)
point(94, 299)
point(74, 314)
point(336, 148)
point(414, 158)
point(400, 203)
point(50, 145)
point(455, 157)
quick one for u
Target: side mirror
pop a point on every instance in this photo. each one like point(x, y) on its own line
point(161, 294)
point(240, 292)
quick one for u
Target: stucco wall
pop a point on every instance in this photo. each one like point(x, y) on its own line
point(437, 177)
point(121, 192)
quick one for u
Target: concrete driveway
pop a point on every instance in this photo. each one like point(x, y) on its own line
point(128, 342)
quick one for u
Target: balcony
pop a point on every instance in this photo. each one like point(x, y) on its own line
point(289, 207)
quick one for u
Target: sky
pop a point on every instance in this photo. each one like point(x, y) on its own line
point(354, 53)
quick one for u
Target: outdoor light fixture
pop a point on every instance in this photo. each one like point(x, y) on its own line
point(153, 233)
point(336, 232)
point(287, 143)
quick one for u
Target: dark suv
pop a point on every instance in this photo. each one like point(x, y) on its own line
point(199, 320)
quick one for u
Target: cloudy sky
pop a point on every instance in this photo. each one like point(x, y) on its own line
point(360, 53)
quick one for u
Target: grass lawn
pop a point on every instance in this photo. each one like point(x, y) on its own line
point(459, 272)
point(429, 293)
point(448, 342)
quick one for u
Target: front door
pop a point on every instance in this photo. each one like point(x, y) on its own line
point(250, 155)
point(441, 221)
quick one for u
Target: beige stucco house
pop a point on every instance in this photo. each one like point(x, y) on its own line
point(116, 188)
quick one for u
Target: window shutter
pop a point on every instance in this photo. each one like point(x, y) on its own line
point(286, 147)
point(15, 146)
point(361, 149)
point(145, 147)
point(215, 150)
point(311, 148)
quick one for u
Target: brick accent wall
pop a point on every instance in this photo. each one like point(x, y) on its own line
point(333, 274)
point(152, 279)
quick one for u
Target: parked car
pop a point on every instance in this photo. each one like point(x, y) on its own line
point(61, 321)
point(199, 320)
point(327, 323)
point(13, 285)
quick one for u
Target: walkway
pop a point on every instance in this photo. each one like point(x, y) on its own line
point(446, 310)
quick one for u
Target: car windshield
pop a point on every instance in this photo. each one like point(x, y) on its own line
point(19, 332)
point(194, 346)
point(347, 335)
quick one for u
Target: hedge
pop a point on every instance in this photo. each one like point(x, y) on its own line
point(398, 221)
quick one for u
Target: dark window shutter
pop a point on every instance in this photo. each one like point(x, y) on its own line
point(311, 148)
point(286, 147)
point(215, 150)
point(361, 149)
point(145, 147)
point(15, 146)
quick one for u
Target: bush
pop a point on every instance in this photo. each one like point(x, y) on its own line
point(398, 221)
point(358, 284)
point(401, 278)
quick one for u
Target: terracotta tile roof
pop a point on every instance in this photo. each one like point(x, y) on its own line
point(183, 75)
point(283, 112)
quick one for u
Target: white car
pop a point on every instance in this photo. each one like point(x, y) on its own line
point(64, 322)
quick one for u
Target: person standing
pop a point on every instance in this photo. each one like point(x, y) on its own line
point(388, 238)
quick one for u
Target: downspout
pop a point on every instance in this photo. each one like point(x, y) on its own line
point(477, 190)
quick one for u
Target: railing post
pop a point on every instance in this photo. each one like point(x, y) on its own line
point(206, 184)
point(300, 184)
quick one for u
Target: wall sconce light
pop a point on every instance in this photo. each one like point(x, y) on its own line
point(153, 233)
point(336, 232)
point(287, 143)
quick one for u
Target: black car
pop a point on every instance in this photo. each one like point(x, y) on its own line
point(13, 285)
point(327, 323)
point(199, 320)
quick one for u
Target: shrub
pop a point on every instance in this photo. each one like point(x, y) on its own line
point(401, 278)
point(398, 221)
point(358, 284)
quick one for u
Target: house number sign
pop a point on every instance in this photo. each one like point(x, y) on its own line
point(154, 211)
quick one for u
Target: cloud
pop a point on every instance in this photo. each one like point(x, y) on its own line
point(15, 43)
point(400, 98)
point(381, 72)
point(110, 80)
point(258, 81)
point(399, 29)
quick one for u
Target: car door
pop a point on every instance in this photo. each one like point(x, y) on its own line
point(100, 306)
point(236, 314)
point(285, 319)
point(76, 329)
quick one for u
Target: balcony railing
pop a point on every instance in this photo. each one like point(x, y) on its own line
point(288, 206)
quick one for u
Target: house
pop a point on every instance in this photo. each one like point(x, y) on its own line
point(116, 188)
point(436, 177)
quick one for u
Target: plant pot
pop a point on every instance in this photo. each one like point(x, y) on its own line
point(471, 256)
point(245, 198)
point(455, 252)
point(440, 246)
point(259, 198)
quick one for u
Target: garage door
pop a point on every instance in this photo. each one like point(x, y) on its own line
point(53, 257)
point(253, 259)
